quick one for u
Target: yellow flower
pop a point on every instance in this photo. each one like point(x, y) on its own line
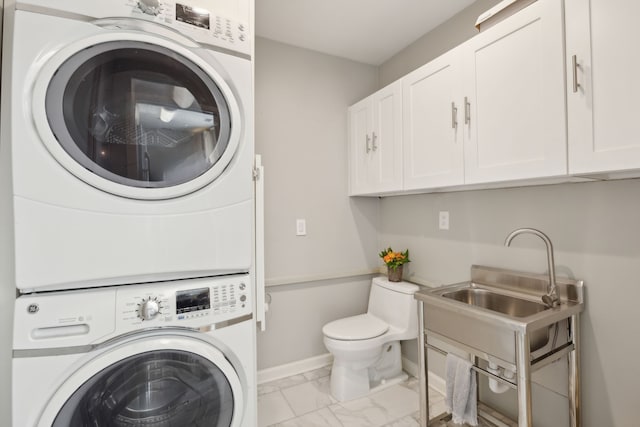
point(394, 259)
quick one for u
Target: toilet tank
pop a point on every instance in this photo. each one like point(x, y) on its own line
point(393, 302)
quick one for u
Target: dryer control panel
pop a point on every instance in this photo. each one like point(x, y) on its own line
point(203, 23)
point(220, 23)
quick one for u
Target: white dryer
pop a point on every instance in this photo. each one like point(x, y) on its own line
point(129, 126)
point(173, 354)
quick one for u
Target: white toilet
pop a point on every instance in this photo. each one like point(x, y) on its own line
point(366, 348)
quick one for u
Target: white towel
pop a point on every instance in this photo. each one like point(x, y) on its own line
point(461, 398)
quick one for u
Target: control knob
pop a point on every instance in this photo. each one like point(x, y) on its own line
point(149, 309)
point(150, 7)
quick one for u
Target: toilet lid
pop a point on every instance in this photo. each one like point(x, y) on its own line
point(360, 327)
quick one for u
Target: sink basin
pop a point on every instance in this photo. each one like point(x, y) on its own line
point(505, 304)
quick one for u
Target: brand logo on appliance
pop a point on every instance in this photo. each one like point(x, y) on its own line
point(33, 308)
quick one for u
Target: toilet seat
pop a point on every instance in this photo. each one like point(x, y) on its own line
point(361, 327)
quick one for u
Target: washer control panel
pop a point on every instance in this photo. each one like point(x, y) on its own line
point(88, 316)
point(189, 303)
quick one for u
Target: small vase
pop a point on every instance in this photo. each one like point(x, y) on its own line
point(395, 274)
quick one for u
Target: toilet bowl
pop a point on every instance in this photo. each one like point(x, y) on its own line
point(366, 347)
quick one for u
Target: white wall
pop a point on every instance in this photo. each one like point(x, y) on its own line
point(301, 132)
point(298, 312)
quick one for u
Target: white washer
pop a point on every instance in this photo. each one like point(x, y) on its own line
point(172, 354)
point(130, 130)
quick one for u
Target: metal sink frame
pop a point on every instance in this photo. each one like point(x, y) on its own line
point(499, 315)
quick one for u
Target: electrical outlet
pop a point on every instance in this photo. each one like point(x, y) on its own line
point(443, 220)
point(301, 227)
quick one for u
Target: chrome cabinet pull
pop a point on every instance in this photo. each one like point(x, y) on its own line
point(375, 137)
point(454, 115)
point(575, 66)
point(467, 111)
point(368, 143)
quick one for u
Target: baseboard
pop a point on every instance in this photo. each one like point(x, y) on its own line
point(305, 365)
point(410, 367)
point(435, 382)
point(294, 368)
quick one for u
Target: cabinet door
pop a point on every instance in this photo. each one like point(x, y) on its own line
point(603, 35)
point(386, 139)
point(514, 85)
point(433, 155)
point(360, 117)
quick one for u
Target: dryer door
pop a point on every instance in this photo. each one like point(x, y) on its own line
point(152, 382)
point(137, 114)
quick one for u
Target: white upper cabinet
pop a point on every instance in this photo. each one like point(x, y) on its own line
point(360, 119)
point(515, 112)
point(604, 85)
point(432, 127)
point(375, 143)
point(545, 95)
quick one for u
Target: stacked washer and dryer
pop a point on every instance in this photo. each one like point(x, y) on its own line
point(127, 148)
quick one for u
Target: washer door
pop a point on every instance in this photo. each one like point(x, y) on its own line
point(151, 382)
point(137, 114)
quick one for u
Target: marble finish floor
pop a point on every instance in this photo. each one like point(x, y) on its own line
point(304, 401)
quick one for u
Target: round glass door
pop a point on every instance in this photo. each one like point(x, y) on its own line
point(152, 389)
point(139, 114)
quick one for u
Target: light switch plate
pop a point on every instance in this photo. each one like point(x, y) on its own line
point(443, 220)
point(301, 227)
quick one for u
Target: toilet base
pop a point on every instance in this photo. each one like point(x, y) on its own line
point(388, 365)
point(402, 376)
point(348, 383)
point(355, 388)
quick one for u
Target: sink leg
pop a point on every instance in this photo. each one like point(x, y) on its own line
point(523, 367)
point(423, 366)
point(575, 417)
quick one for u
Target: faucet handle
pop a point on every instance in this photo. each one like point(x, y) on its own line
point(551, 300)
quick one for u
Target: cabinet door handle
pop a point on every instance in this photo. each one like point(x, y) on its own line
point(368, 143)
point(467, 111)
point(454, 115)
point(574, 67)
point(373, 142)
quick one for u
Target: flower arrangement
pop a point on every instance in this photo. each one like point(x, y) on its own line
point(393, 260)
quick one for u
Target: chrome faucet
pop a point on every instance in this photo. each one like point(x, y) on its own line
point(551, 298)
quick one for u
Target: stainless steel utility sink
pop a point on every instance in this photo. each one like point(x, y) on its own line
point(505, 304)
point(499, 317)
point(487, 313)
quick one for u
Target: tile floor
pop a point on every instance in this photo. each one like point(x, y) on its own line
point(304, 401)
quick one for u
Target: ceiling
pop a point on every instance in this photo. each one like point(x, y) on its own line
point(368, 31)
